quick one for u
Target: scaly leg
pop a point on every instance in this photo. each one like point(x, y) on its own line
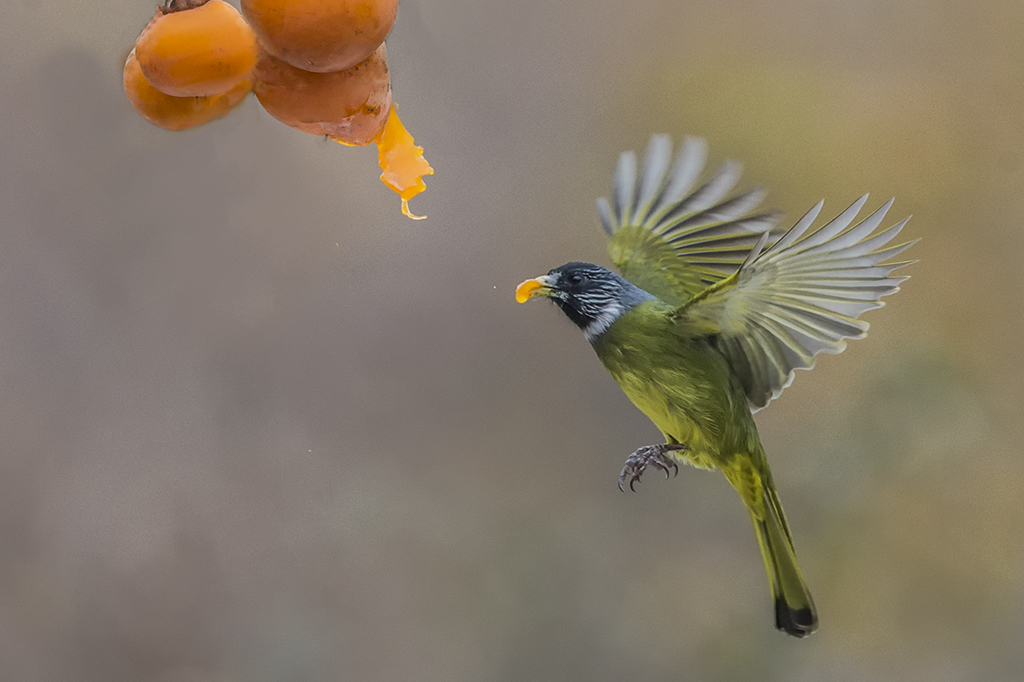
point(649, 455)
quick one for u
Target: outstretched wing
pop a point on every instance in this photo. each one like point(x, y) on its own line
point(801, 296)
point(673, 240)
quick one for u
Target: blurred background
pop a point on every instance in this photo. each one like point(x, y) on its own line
point(255, 425)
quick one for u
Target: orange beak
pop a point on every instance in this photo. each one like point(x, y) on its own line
point(538, 286)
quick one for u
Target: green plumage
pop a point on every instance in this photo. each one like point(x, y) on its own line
point(711, 318)
point(673, 373)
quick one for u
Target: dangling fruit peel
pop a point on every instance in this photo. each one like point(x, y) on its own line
point(402, 162)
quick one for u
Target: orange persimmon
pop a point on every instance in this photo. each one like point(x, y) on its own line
point(176, 113)
point(402, 162)
point(349, 106)
point(196, 48)
point(321, 35)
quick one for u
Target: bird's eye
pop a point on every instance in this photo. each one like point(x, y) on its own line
point(575, 279)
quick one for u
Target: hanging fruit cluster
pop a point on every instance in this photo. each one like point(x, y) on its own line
point(319, 66)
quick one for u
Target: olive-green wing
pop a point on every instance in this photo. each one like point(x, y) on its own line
point(669, 238)
point(799, 297)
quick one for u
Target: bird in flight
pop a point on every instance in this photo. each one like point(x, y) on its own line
point(712, 313)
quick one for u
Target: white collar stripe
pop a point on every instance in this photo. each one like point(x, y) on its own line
point(602, 322)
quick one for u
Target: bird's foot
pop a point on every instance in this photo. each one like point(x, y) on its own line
point(649, 455)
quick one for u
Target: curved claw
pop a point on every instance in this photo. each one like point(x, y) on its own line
point(647, 456)
point(660, 465)
point(626, 471)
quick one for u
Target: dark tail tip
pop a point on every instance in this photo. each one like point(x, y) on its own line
point(796, 622)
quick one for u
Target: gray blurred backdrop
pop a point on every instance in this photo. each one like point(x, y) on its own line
point(257, 426)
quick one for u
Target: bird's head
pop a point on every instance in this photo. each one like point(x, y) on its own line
point(591, 296)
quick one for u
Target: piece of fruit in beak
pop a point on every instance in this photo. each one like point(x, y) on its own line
point(531, 288)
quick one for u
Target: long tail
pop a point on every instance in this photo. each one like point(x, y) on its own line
point(794, 608)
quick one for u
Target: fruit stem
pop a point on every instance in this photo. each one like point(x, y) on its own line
point(171, 6)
